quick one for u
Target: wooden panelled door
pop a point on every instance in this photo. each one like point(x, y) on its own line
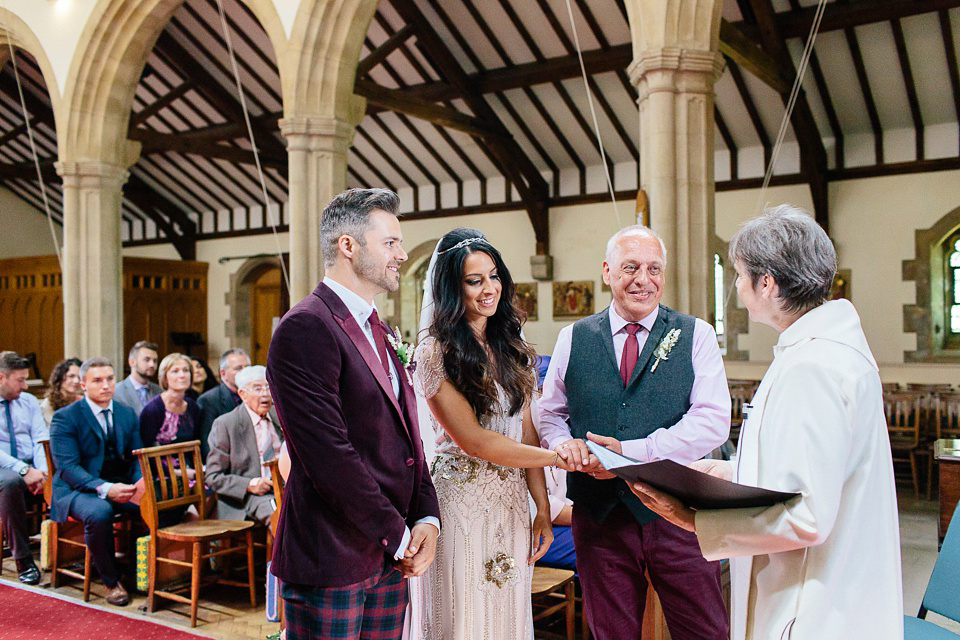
point(268, 304)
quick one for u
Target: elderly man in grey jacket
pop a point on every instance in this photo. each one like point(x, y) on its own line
point(241, 441)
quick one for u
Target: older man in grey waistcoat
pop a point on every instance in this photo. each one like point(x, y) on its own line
point(648, 382)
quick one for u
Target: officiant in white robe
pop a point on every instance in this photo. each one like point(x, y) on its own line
point(826, 564)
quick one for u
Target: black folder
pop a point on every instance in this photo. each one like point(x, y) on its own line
point(693, 488)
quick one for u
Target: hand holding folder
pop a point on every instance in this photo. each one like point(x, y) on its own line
point(693, 488)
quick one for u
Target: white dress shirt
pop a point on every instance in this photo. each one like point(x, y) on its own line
point(361, 311)
point(98, 413)
point(29, 428)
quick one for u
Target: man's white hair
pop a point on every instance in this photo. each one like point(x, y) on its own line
point(634, 230)
point(247, 375)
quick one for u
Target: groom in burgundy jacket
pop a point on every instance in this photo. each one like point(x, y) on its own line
point(360, 512)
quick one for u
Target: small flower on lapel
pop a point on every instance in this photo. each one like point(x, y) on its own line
point(664, 348)
point(403, 350)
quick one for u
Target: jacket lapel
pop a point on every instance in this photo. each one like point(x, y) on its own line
point(349, 325)
point(653, 341)
point(252, 451)
point(91, 419)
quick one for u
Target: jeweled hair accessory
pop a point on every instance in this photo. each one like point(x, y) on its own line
point(463, 243)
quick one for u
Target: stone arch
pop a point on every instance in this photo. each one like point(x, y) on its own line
point(682, 24)
point(14, 31)
point(923, 317)
point(106, 68)
point(238, 327)
point(406, 301)
point(322, 56)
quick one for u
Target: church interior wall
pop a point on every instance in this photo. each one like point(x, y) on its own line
point(27, 232)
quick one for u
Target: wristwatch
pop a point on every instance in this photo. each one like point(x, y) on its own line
point(25, 471)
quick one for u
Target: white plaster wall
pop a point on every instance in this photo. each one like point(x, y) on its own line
point(25, 229)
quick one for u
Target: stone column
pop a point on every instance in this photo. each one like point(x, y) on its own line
point(92, 260)
point(317, 155)
point(674, 78)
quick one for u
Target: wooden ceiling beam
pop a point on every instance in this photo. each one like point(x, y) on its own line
point(156, 142)
point(908, 82)
point(728, 141)
point(837, 16)
point(864, 84)
point(380, 54)
point(950, 50)
point(157, 106)
point(513, 162)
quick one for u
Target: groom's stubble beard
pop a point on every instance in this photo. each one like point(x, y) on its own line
point(367, 268)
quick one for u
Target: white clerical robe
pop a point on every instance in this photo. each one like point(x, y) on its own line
point(825, 565)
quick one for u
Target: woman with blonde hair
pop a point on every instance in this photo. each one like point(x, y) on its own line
point(171, 416)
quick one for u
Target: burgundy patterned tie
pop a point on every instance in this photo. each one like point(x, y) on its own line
point(379, 339)
point(631, 351)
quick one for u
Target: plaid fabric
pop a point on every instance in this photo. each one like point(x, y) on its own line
point(368, 610)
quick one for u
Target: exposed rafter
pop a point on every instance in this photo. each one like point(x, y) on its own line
point(378, 55)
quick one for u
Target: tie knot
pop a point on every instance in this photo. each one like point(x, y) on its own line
point(374, 318)
point(633, 328)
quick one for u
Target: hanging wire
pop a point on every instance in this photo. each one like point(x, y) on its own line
point(253, 144)
point(593, 114)
point(33, 147)
point(791, 103)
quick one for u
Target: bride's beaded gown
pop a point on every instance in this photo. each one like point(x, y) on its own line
point(479, 585)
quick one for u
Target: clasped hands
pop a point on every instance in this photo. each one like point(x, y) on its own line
point(420, 551)
point(577, 457)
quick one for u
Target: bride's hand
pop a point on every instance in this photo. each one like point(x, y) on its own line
point(542, 536)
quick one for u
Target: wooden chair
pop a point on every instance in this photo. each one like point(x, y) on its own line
point(741, 392)
point(160, 467)
point(903, 427)
point(66, 538)
point(552, 590)
point(891, 387)
point(947, 425)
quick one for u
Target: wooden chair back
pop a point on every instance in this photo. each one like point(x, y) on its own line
point(278, 484)
point(903, 411)
point(948, 416)
point(51, 469)
point(164, 471)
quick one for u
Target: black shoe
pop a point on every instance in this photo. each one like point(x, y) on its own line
point(27, 571)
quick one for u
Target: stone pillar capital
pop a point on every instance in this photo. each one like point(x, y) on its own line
point(306, 133)
point(675, 69)
point(91, 175)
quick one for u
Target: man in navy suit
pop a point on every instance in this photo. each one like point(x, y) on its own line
point(93, 442)
point(360, 511)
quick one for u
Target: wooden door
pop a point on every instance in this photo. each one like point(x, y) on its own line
point(267, 307)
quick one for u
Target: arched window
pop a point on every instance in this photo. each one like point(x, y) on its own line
point(719, 308)
point(951, 290)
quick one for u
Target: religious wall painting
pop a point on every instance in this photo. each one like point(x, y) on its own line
point(573, 299)
point(841, 285)
point(527, 299)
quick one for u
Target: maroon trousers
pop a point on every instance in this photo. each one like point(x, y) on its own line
point(611, 558)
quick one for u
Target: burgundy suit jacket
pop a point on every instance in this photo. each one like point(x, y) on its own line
point(358, 474)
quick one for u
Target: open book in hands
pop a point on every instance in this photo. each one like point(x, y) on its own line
point(695, 489)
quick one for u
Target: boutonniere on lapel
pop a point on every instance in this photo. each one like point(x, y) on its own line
point(404, 351)
point(664, 348)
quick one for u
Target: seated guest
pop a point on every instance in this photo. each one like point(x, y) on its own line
point(224, 398)
point(171, 416)
point(136, 390)
point(203, 379)
point(63, 387)
point(93, 442)
point(23, 465)
point(240, 443)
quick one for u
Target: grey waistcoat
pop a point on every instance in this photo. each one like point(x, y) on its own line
point(599, 403)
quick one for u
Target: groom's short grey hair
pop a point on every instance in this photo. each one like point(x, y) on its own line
point(634, 230)
point(349, 214)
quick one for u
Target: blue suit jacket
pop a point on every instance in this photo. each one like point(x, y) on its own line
point(77, 444)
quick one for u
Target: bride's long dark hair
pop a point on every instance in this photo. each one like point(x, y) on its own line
point(465, 360)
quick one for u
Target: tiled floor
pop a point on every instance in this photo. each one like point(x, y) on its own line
point(226, 613)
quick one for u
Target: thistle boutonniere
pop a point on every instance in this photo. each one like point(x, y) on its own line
point(664, 348)
point(404, 351)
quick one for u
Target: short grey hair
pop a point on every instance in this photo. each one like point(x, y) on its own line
point(94, 362)
point(786, 243)
point(634, 230)
point(251, 374)
point(236, 351)
point(11, 361)
point(349, 214)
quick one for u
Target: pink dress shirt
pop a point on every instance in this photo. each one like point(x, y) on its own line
point(704, 427)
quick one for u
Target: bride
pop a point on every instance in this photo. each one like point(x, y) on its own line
point(476, 374)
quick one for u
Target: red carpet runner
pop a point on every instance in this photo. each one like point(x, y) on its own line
point(29, 614)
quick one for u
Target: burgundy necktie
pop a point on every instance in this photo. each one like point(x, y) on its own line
point(380, 340)
point(631, 351)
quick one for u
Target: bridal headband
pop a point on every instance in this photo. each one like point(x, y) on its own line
point(463, 243)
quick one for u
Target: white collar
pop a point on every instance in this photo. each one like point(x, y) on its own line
point(357, 306)
point(97, 409)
